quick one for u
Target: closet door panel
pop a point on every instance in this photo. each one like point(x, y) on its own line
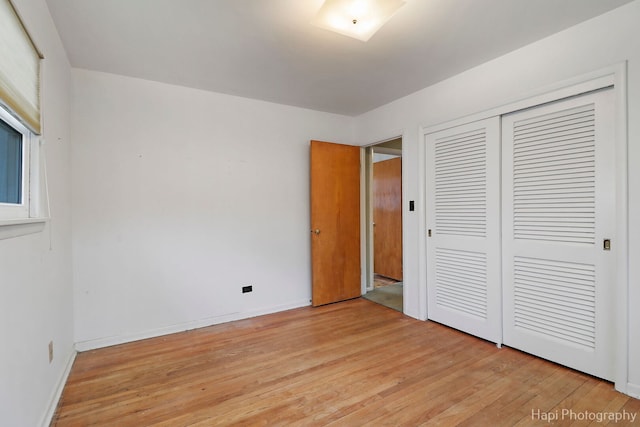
point(463, 218)
point(558, 210)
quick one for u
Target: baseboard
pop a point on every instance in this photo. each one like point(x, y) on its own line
point(633, 390)
point(201, 323)
point(57, 393)
point(152, 333)
point(276, 309)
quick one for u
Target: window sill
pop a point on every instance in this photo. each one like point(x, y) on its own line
point(20, 227)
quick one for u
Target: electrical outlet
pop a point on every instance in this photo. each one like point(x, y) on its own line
point(50, 351)
point(246, 289)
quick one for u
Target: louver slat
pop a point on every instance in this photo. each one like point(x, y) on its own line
point(555, 299)
point(461, 281)
point(460, 184)
point(554, 177)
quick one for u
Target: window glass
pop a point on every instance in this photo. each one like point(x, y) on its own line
point(10, 164)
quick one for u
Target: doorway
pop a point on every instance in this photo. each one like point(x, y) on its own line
point(384, 258)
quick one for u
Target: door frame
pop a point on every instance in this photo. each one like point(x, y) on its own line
point(614, 76)
point(366, 211)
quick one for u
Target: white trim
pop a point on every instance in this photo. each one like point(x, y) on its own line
point(386, 150)
point(21, 227)
point(47, 418)
point(621, 298)
point(404, 211)
point(422, 226)
point(571, 87)
point(34, 193)
point(81, 346)
point(366, 219)
point(616, 76)
point(633, 390)
point(20, 221)
point(364, 264)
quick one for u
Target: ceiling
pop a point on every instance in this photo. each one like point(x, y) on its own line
point(268, 50)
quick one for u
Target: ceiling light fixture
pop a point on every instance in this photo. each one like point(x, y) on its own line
point(359, 19)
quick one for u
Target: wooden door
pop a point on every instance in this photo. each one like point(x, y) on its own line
point(463, 219)
point(335, 222)
point(558, 224)
point(387, 218)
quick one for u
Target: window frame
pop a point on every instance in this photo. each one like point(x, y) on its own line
point(22, 210)
point(29, 216)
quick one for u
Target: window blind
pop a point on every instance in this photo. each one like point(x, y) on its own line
point(19, 69)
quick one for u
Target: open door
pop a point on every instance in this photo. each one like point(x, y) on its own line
point(335, 222)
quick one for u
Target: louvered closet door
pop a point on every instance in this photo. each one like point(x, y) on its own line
point(558, 208)
point(463, 215)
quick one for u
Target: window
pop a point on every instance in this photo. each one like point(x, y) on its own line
point(14, 168)
point(20, 125)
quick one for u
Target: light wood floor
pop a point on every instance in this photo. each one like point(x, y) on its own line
point(350, 364)
point(381, 281)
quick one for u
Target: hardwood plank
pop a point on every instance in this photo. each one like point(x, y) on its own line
point(351, 363)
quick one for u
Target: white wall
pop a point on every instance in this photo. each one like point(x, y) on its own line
point(180, 198)
point(36, 299)
point(595, 44)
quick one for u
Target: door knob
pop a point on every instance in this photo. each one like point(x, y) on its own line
point(316, 231)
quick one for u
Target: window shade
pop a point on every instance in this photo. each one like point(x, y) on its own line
point(19, 69)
